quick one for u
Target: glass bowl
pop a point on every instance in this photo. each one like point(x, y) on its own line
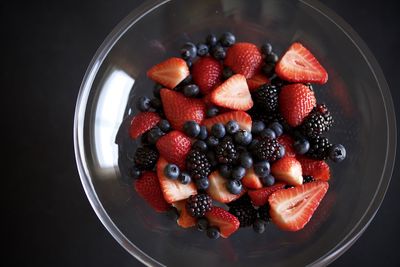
point(356, 93)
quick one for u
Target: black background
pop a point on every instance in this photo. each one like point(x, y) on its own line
point(45, 49)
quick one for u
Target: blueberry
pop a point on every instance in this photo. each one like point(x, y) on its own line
point(238, 173)
point(269, 133)
point(189, 63)
point(184, 178)
point(202, 50)
point(262, 168)
point(268, 180)
point(202, 224)
point(218, 52)
point(188, 51)
point(134, 172)
point(268, 69)
point(266, 49)
point(202, 183)
point(212, 111)
point(154, 134)
point(225, 171)
point(301, 146)
point(203, 133)
point(212, 141)
point(164, 126)
point(227, 73)
point(337, 153)
point(201, 145)
point(191, 128)
point(211, 158)
point(234, 186)
point(156, 90)
point(213, 232)
point(171, 171)
point(253, 144)
point(232, 127)
point(211, 40)
point(257, 127)
point(271, 58)
point(218, 130)
point(277, 128)
point(191, 90)
point(173, 214)
point(156, 103)
point(282, 151)
point(227, 39)
point(246, 160)
point(243, 137)
point(259, 226)
point(143, 103)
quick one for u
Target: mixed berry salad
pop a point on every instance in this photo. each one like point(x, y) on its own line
point(234, 137)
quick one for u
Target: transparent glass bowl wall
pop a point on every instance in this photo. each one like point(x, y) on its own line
point(356, 93)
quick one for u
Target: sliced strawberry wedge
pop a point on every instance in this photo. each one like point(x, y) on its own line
point(218, 191)
point(256, 81)
point(170, 72)
point(299, 65)
point(173, 190)
point(184, 220)
point(207, 72)
point(226, 222)
point(174, 147)
point(251, 180)
point(260, 196)
point(287, 142)
point(318, 169)
point(233, 93)
point(143, 122)
point(241, 117)
point(291, 209)
point(288, 169)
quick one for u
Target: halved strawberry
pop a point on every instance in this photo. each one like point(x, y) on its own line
point(226, 222)
point(291, 209)
point(184, 220)
point(287, 142)
point(288, 169)
point(206, 73)
point(233, 93)
point(244, 58)
point(299, 65)
point(217, 189)
point(178, 109)
point(173, 190)
point(143, 122)
point(295, 102)
point(251, 180)
point(318, 169)
point(174, 147)
point(256, 81)
point(241, 117)
point(260, 196)
point(169, 72)
point(149, 188)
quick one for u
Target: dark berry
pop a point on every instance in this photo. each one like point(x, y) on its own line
point(143, 103)
point(266, 98)
point(213, 232)
point(277, 128)
point(156, 90)
point(218, 52)
point(184, 178)
point(226, 152)
point(268, 180)
point(188, 51)
point(198, 205)
point(227, 73)
point(227, 39)
point(186, 81)
point(146, 158)
point(278, 81)
point(171, 171)
point(134, 172)
point(317, 122)
point(211, 158)
point(191, 90)
point(202, 224)
point(197, 164)
point(267, 149)
point(243, 137)
point(189, 63)
point(218, 130)
point(308, 179)
point(238, 173)
point(319, 147)
point(254, 144)
point(282, 151)
point(268, 133)
point(246, 160)
point(203, 133)
point(337, 153)
point(202, 50)
point(202, 184)
point(263, 213)
point(301, 146)
point(266, 48)
point(268, 69)
point(156, 103)
point(271, 58)
point(211, 40)
point(262, 168)
point(164, 126)
point(200, 145)
point(257, 127)
point(234, 186)
point(212, 141)
point(225, 171)
point(191, 128)
point(246, 214)
point(154, 134)
point(212, 111)
point(259, 226)
point(232, 127)
point(173, 214)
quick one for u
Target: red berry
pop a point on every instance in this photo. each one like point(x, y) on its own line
point(226, 222)
point(318, 169)
point(244, 58)
point(174, 146)
point(143, 122)
point(241, 117)
point(206, 73)
point(169, 72)
point(288, 169)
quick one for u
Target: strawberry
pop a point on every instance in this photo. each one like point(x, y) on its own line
point(206, 73)
point(251, 180)
point(233, 93)
point(260, 196)
point(226, 222)
point(149, 188)
point(318, 169)
point(299, 65)
point(256, 81)
point(244, 58)
point(174, 146)
point(178, 109)
point(287, 141)
point(217, 189)
point(184, 220)
point(291, 209)
point(295, 103)
point(241, 117)
point(169, 72)
point(143, 122)
point(173, 190)
point(288, 169)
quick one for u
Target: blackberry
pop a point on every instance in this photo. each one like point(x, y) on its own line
point(317, 122)
point(267, 149)
point(308, 179)
point(198, 205)
point(263, 213)
point(226, 152)
point(197, 164)
point(245, 213)
point(319, 147)
point(145, 158)
point(266, 117)
point(266, 97)
point(243, 200)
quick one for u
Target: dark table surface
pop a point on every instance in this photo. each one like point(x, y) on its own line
point(45, 49)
